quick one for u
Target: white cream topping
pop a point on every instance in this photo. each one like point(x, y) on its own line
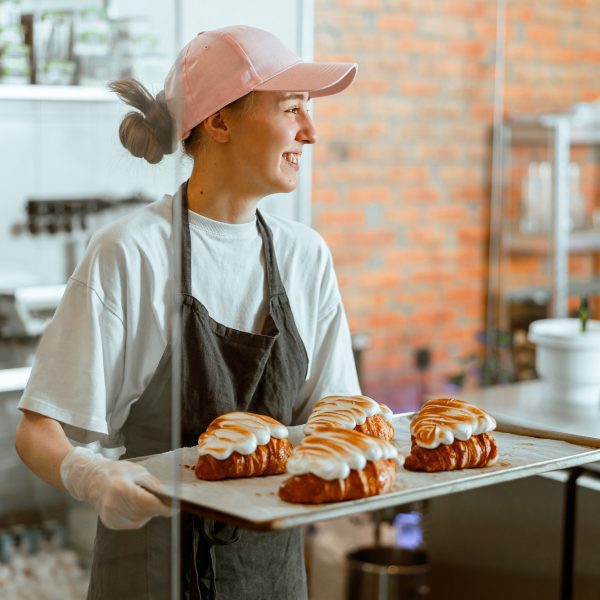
point(239, 432)
point(442, 420)
point(344, 411)
point(333, 453)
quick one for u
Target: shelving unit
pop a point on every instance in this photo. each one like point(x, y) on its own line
point(61, 93)
point(557, 141)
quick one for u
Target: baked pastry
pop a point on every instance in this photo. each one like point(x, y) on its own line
point(449, 434)
point(339, 464)
point(351, 412)
point(242, 444)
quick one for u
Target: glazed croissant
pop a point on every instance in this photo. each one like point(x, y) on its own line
point(242, 444)
point(339, 464)
point(351, 412)
point(478, 451)
point(376, 478)
point(449, 434)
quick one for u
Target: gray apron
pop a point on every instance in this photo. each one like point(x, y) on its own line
point(223, 370)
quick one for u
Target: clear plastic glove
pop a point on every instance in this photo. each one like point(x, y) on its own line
point(111, 487)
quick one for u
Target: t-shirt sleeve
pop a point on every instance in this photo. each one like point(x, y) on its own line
point(332, 368)
point(78, 367)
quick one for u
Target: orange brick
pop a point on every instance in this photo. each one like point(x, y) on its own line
point(474, 233)
point(447, 214)
point(325, 196)
point(420, 194)
point(540, 34)
point(386, 320)
point(340, 217)
point(379, 280)
point(393, 22)
point(469, 49)
point(410, 173)
point(470, 10)
point(419, 88)
point(468, 193)
point(371, 87)
point(405, 215)
point(416, 45)
point(433, 233)
point(432, 276)
point(369, 195)
point(374, 237)
point(453, 173)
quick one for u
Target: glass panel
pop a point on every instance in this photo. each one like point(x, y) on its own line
point(84, 317)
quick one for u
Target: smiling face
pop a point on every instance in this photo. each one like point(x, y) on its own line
point(266, 141)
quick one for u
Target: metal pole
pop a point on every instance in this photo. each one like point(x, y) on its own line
point(560, 217)
point(493, 302)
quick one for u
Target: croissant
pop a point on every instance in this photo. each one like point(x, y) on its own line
point(449, 434)
point(339, 464)
point(267, 459)
point(377, 426)
point(242, 444)
point(360, 413)
point(376, 478)
point(478, 451)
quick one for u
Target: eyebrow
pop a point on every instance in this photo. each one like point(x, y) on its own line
point(297, 96)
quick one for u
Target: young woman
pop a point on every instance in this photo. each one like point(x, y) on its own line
point(262, 323)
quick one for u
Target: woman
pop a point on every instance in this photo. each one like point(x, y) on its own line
point(262, 323)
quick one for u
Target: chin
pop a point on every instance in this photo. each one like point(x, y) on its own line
point(284, 186)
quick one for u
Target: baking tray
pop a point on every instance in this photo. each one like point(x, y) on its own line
point(253, 503)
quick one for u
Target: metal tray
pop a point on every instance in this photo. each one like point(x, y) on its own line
point(253, 503)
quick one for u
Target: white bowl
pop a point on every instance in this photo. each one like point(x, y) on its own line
point(567, 360)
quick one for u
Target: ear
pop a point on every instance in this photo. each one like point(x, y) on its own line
point(216, 127)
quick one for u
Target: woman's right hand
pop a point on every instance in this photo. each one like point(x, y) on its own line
point(113, 488)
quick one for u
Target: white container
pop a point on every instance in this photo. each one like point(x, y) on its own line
point(567, 360)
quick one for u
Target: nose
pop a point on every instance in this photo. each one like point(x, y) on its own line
point(307, 134)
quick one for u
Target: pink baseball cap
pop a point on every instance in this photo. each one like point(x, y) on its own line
point(222, 65)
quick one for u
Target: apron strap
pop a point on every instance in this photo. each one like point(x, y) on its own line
point(207, 535)
point(273, 277)
point(186, 243)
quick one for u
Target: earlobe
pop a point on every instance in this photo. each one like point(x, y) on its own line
point(216, 127)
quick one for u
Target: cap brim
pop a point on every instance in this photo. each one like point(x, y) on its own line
point(318, 79)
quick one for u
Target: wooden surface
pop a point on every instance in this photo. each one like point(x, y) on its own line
point(253, 503)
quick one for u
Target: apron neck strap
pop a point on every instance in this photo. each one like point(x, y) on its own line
point(273, 277)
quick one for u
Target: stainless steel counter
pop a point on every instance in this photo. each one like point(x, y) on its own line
point(526, 404)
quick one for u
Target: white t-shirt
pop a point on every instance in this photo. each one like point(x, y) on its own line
point(109, 332)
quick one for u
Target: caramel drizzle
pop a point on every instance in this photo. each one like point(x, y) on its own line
point(333, 452)
point(241, 430)
point(344, 411)
point(441, 420)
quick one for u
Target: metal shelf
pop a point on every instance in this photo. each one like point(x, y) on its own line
point(576, 287)
point(74, 93)
point(579, 241)
point(539, 130)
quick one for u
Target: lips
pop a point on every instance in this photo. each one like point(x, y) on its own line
point(292, 157)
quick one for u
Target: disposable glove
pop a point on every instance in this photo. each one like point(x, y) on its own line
point(111, 487)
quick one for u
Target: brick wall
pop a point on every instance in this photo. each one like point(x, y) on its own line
point(402, 171)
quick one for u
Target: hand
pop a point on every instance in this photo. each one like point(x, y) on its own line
point(112, 488)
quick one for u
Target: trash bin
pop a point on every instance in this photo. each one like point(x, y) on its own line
point(385, 573)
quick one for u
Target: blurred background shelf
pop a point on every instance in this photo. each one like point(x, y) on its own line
point(578, 241)
point(78, 93)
